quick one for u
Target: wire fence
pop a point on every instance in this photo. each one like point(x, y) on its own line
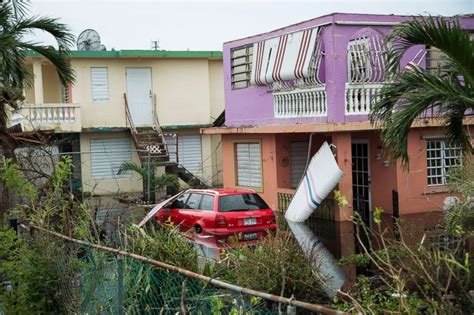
point(95, 279)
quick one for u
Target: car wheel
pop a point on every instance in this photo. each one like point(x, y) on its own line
point(198, 229)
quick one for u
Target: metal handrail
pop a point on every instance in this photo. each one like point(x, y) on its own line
point(129, 122)
point(156, 125)
point(128, 115)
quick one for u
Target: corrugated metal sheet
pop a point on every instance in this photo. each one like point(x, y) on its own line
point(107, 155)
point(190, 152)
point(249, 165)
point(99, 84)
point(298, 157)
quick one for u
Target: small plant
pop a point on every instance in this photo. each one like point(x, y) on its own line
point(165, 180)
point(340, 199)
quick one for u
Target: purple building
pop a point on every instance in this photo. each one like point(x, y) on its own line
point(320, 77)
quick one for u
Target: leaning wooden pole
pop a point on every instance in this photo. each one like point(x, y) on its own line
point(190, 274)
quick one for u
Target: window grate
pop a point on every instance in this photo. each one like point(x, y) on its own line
point(441, 155)
point(241, 67)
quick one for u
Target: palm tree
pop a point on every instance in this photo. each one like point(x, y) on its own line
point(165, 180)
point(14, 75)
point(414, 91)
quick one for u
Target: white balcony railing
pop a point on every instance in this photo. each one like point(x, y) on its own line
point(301, 103)
point(52, 114)
point(360, 98)
point(58, 116)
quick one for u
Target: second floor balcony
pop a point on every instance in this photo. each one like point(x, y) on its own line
point(57, 117)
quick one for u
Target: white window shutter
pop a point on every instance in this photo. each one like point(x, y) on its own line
point(190, 152)
point(249, 165)
point(107, 155)
point(99, 84)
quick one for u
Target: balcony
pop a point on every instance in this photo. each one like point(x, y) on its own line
point(360, 98)
point(310, 102)
point(59, 117)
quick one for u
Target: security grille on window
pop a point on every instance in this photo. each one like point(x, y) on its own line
point(241, 66)
point(435, 60)
point(358, 60)
point(441, 155)
point(99, 84)
point(249, 165)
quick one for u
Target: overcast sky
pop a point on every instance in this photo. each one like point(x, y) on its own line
point(205, 25)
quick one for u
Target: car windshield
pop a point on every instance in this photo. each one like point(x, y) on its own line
point(241, 202)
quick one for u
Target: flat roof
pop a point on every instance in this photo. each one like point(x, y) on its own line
point(185, 54)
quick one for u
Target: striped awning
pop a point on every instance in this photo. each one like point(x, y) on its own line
point(283, 58)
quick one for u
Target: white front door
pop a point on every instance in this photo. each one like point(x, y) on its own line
point(139, 96)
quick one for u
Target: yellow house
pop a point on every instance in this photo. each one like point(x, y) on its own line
point(125, 104)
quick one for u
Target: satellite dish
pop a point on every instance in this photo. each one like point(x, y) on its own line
point(88, 40)
point(102, 47)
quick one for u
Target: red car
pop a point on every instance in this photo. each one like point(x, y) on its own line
point(220, 212)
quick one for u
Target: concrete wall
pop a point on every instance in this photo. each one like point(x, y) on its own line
point(51, 85)
point(269, 165)
point(187, 90)
point(254, 105)
point(133, 184)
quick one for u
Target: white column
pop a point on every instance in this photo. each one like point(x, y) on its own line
point(38, 81)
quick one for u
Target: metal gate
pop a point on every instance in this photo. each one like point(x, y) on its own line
point(361, 179)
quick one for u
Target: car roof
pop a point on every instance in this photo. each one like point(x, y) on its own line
point(223, 191)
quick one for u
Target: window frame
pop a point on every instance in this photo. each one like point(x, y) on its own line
point(92, 85)
point(198, 203)
point(213, 202)
point(248, 55)
point(444, 147)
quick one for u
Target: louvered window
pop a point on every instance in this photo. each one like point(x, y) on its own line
point(241, 66)
point(190, 152)
point(298, 157)
point(107, 155)
point(249, 164)
point(99, 84)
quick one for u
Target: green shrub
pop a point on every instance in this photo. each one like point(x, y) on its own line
point(276, 265)
point(163, 244)
point(34, 282)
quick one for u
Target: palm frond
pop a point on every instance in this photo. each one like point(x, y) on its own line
point(414, 93)
point(19, 7)
point(59, 31)
point(438, 32)
point(132, 167)
point(60, 59)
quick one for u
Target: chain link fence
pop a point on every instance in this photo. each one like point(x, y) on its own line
point(95, 279)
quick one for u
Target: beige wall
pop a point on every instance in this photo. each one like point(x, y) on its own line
point(30, 92)
point(188, 91)
point(112, 186)
point(51, 85)
point(216, 87)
